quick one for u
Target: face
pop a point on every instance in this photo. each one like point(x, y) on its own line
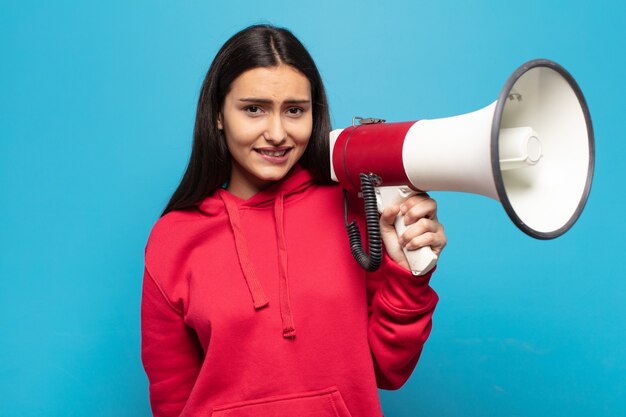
point(267, 121)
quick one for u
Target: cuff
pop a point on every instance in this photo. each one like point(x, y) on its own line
point(405, 292)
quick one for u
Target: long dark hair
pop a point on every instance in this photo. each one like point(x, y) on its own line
point(210, 162)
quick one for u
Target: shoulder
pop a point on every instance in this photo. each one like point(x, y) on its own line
point(172, 239)
point(330, 191)
point(171, 227)
point(178, 226)
point(164, 253)
point(334, 197)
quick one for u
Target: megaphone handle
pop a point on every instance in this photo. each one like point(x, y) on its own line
point(420, 260)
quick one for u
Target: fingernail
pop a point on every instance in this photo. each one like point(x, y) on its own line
point(403, 209)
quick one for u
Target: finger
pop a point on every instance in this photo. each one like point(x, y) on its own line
point(388, 216)
point(436, 241)
point(420, 227)
point(416, 209)
point(412, 201)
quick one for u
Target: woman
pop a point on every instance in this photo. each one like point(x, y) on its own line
point(252, 303)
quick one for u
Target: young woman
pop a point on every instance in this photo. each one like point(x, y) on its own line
point(252, 302)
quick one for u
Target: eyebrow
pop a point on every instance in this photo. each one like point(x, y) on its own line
point(268, 101)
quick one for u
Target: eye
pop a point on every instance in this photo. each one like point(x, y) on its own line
point(253, 110)
point(295, 111)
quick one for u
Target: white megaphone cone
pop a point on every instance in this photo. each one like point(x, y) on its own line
point(532, 150)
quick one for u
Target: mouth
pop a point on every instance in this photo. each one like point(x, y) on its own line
point(274, 153)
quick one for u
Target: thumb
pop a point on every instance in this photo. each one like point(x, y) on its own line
point(388, 218)
point(390, 236)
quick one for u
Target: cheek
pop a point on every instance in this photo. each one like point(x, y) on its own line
point(302, 133)
point(243, 135)
point(237, 147)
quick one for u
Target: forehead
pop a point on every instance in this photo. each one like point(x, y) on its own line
point(276, 83)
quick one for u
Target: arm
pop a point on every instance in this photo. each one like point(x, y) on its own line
point(402, 305)
point(170, 351)
point(400, 321)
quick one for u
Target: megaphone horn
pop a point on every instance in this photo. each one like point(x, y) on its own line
point(532, 150)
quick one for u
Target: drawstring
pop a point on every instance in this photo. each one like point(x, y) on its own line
point(259, 299)
point(289, 331)
point(254, 286)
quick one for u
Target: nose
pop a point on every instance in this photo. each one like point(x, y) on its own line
point(275, 132)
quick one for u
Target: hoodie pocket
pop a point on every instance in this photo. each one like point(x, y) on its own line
point(323, 403)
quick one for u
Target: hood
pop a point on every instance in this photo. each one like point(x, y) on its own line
point(295, 182)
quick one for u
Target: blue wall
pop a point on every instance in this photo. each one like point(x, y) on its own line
point(96, 114)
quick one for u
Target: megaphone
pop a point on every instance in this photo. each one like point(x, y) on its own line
point(532, 150)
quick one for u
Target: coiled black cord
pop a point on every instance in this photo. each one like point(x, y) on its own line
point(372, 262)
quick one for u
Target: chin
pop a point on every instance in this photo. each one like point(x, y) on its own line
point(274, 176)
point(275, 173)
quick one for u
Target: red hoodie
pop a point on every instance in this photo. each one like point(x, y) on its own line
point(257, 308)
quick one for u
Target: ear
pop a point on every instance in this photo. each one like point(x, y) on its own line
point(220, 126)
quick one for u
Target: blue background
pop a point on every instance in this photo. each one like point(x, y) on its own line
point(97, 103)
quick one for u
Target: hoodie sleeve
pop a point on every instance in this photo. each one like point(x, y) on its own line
point(170, 351)
point(400, 311)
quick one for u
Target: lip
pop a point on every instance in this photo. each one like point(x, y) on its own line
point(274, 159)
